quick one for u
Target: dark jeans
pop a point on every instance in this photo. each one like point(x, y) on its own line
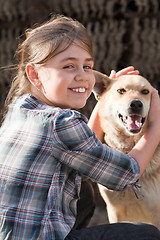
point(117, 231)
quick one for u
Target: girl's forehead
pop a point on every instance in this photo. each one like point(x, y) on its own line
point(74, 52)
point(76, 44)
point(76, 49)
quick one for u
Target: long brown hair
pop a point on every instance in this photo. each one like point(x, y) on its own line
point(43, 43)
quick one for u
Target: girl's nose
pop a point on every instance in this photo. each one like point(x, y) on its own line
point(81, 75)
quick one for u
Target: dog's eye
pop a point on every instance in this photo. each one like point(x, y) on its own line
point(145, 91)
point(121, 90)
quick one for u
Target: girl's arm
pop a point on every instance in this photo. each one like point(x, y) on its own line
point(94, 123)
point(144, 149)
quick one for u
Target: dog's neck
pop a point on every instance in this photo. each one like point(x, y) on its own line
point(121, 141)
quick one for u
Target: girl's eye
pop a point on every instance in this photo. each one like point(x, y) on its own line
point(145, 91)
point(121, 91)
point(68, 66)
point(87, 67)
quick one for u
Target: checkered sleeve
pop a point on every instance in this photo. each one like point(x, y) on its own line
point(77, 146)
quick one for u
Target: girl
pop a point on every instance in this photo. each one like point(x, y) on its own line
point(46, 148)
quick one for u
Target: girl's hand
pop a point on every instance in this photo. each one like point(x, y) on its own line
point(126, 71)
point(154, 112)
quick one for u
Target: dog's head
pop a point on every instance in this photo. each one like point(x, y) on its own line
point(125, 101)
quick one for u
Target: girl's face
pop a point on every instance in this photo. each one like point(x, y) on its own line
point(67, 79)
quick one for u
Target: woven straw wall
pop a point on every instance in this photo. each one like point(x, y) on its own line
point(124, 32)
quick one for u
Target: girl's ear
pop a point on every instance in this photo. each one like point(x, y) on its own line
point(32, 75)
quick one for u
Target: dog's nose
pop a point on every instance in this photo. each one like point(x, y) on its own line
point(136, 105)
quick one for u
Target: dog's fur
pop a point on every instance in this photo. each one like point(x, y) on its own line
point(124, 106)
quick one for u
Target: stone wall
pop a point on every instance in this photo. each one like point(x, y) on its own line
point(124, 32)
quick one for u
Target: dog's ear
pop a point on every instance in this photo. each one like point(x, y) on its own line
point(102, 81)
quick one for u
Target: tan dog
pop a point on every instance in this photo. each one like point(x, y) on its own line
point(124, 107)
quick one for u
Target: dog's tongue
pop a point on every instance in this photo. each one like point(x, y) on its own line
point(134, 122)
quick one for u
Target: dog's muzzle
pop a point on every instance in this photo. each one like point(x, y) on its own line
point(133, 121)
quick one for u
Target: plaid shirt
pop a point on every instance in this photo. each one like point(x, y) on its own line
point(44, 153)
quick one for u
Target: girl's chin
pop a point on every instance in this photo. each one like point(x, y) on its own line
point(79, 106)
point(74, 105)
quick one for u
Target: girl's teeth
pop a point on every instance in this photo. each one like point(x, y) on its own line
point(79, 89)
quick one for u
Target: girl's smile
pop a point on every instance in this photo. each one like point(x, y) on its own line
point(66, 80)
point(80, 90)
